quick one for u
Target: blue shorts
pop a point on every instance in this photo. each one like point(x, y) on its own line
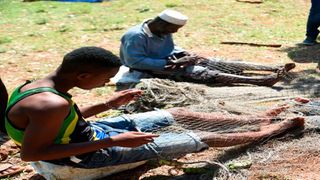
point(167, 145)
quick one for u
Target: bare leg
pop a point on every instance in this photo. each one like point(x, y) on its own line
point(209, 76)
point(269, 80)
point(260, 81)
point(183, 115)
point(227, 66)
point(231, 139)
point(238, 66)
point(229, 76)
point(275, 111)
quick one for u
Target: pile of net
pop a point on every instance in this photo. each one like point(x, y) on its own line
point(228, 101)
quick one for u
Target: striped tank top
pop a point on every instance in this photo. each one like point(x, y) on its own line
point(73, 130)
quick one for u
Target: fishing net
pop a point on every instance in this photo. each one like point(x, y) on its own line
point(238, 109)
point(238, 115)
point(220, 71)
point(227, 103)
point(241, 100)
point(162, 93)
point(236, 67)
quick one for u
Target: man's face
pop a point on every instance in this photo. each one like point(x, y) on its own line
point(168, 29)
point(97, 79)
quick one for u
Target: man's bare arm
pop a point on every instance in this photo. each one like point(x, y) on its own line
point(44, 124)
point(118, 99)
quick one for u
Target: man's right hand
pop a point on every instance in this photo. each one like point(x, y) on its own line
point(132, 139)
point(182, 62)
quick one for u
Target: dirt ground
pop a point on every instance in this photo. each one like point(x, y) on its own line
point(295, 163)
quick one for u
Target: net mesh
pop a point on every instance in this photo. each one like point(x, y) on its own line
point(228, 101)
point(222, 72)
point(239, 109)
point(165, 93)
point(236, 67)
point(224, 105)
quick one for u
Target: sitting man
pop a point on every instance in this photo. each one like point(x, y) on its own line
point(148, 50)
point(48, 126)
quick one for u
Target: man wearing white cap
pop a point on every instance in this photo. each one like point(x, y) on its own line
point(147, 50)
point(147, 45)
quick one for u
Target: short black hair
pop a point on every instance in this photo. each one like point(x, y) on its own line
point(89, 59)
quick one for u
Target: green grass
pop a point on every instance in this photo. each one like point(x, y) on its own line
point(280, 21)
point(44, 26)
point(4, 40)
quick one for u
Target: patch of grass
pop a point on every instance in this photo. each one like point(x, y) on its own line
point(64, 28)
point(171, 5)
point(34, 34)
point(2, 50)
point(243, 22)
point(40, 11)
point(80, 10)
point(41, 21)
point(90, 29)
point(113, 28)
point(5, 39)
point(142, 10)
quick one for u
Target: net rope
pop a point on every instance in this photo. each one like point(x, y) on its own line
point(238, 113)
point(238, 108)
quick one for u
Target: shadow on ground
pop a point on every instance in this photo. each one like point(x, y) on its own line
point(304, 54)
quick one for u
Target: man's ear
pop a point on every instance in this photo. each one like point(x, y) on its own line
point(83, 76)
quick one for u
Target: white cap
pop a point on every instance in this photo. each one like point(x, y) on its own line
point(173, 17)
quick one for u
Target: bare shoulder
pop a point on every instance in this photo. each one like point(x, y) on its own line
point(45, 102)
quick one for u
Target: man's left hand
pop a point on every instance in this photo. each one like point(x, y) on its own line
point(123, 97)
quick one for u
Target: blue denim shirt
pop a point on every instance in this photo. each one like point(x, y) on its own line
point(143, 50)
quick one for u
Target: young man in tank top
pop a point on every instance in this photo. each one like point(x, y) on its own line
point(48, 126)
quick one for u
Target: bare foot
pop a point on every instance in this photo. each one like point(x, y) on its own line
point(274, 78)
point(284, 125)
point(302, 100)
point(270, 80)
point(289, 66)
point(275, 111)
point(270, 113)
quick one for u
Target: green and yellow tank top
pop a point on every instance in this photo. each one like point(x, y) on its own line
point(74, 128)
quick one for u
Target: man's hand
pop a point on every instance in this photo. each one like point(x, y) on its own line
point(132, 139)
point(178, 55)
point(123, 97)
point(181, 63)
